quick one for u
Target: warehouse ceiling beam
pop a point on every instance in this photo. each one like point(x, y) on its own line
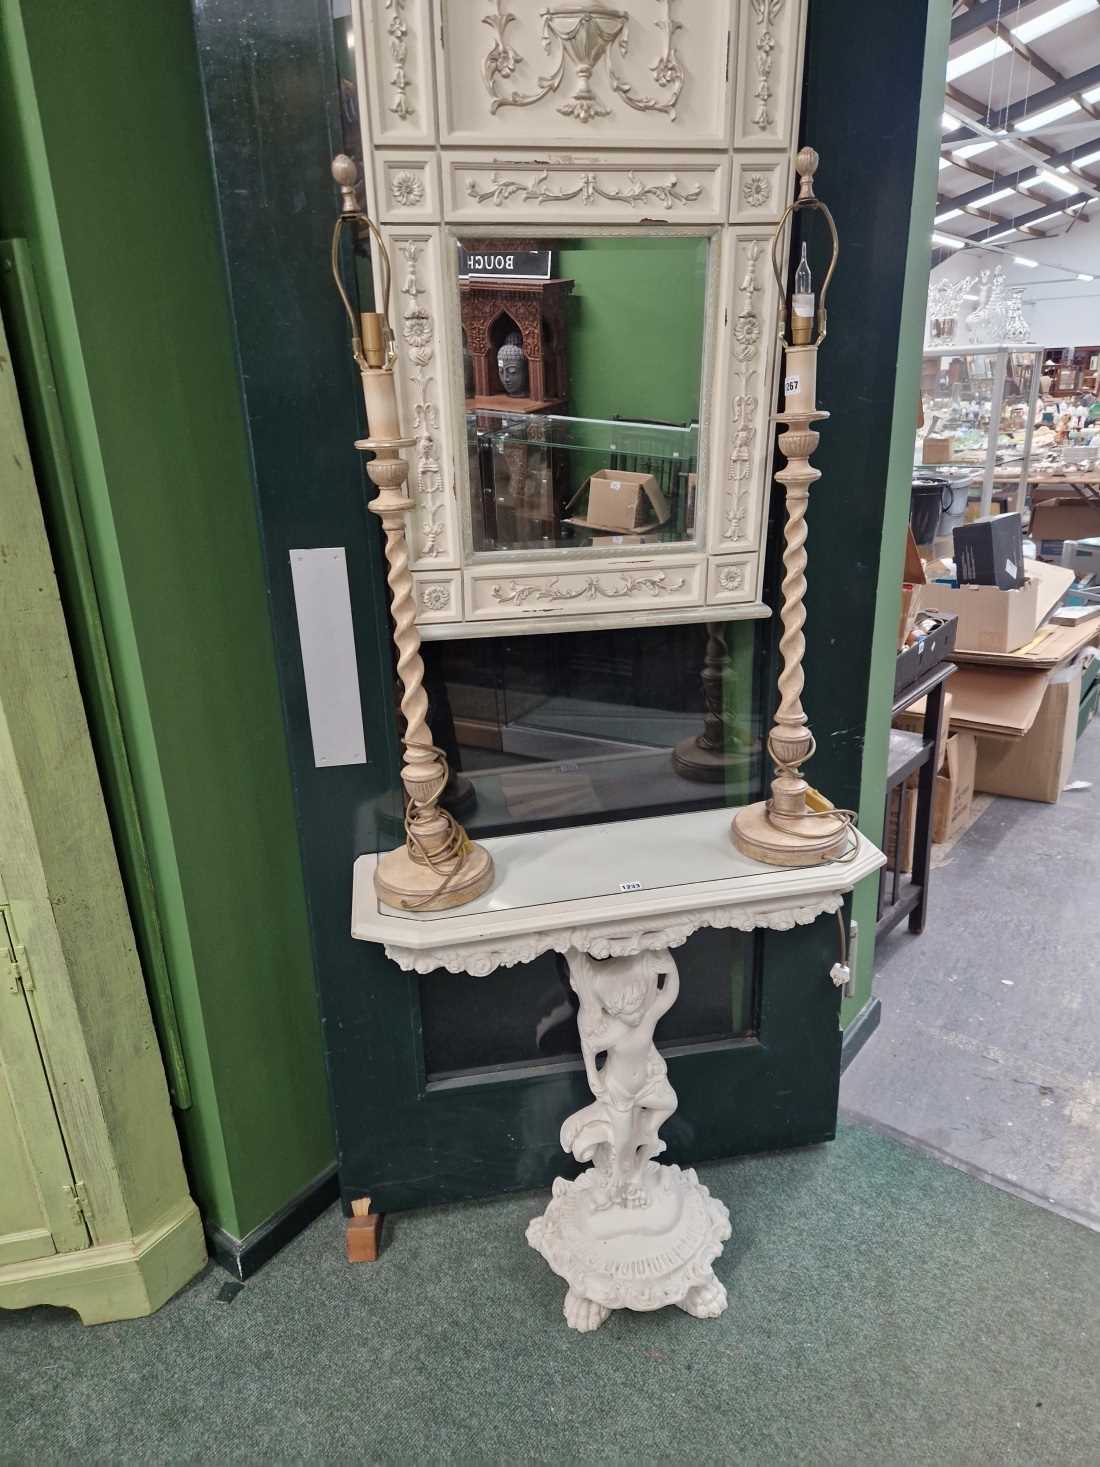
point(1037, 102)
point(1028, 153)
point(984, 13)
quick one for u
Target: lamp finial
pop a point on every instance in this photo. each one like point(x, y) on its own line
point(346, 174)
point(806, 166)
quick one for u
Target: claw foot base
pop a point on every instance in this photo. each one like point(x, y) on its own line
point(619, 1257)
point(583, 1315)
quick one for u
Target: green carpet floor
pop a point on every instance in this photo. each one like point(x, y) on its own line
point(883, 1309)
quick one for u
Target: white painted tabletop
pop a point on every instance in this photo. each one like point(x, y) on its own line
point(609, 889)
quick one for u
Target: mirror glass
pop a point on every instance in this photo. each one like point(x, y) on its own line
point(582, 366)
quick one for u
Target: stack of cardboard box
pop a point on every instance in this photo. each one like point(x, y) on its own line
point(1025, 686)
point(1018, 689)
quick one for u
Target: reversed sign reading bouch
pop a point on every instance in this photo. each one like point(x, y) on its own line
point(504, 263)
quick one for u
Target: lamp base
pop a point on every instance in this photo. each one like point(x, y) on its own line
point(788, 840)
point(406, 884)
point(693, 760)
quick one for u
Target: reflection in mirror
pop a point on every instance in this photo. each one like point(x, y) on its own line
point(582, 365)
point(576, 728)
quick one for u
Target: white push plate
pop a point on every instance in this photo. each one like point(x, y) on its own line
point(327, 638)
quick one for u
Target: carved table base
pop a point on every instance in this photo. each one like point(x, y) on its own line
point(634, 1257)
point(628, 1234)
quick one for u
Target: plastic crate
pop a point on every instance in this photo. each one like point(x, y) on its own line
point(927, 652)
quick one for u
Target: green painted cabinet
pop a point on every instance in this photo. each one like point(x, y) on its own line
point(39, 1208)
point(94, 1208)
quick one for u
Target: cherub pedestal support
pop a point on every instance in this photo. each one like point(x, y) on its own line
point(628, 1233)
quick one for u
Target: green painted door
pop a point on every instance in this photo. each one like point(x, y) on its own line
point(446, 1086)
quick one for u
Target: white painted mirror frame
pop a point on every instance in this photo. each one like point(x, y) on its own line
point(692, 126)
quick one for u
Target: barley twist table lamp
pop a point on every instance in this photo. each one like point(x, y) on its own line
point(438, 866)
point(785, 829)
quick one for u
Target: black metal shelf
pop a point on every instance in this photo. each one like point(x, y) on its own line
point(903, 895)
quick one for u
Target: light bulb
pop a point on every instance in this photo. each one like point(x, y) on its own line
point(802, 303)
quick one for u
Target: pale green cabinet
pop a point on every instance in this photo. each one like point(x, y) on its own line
point(94, 1207)
point(40, 1212)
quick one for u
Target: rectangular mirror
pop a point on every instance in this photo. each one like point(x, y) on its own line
point(583, 372)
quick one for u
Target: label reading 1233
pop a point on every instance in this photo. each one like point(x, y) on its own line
point(630, 886)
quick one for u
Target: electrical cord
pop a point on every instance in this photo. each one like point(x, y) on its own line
point(445, 860)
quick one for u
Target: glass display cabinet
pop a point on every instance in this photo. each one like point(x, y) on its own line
point(979, 408)
point(579, 203)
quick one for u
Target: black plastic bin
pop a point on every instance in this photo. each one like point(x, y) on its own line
point(931, 497)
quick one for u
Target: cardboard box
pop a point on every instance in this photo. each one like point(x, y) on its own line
point(954, 789)
point(620, 501)
point(994, 700)
point(1036, 766)
point(1051, 645)
point(899, 844)
point(937, 450)
point(990, 552)
point(990, 620)
point(1056, 520)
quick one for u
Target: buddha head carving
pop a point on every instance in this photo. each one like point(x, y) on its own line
point(512, 366)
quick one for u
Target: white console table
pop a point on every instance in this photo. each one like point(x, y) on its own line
point(614, 899)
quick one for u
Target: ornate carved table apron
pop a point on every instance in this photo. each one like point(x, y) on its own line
point(629, 1233)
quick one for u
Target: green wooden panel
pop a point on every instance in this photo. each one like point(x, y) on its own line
point(103, 121)
point(92, 1031)
point(903, 422)
point(635, 320)
point(61, 505)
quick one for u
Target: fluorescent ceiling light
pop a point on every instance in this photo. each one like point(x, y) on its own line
point(948, 241)
point(944, 163)
point(948, 214)
point(948, 122)
point(1061, 15)
point(1048, 115)
point(971, 150)
point(1001, 193)
point(1023, 260)
point(980, 56)
point(1003, 234)
point(1093, 95)
point(1044, 219)
point(1051, 179)
point(1086, 160)
point(1081, 276)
